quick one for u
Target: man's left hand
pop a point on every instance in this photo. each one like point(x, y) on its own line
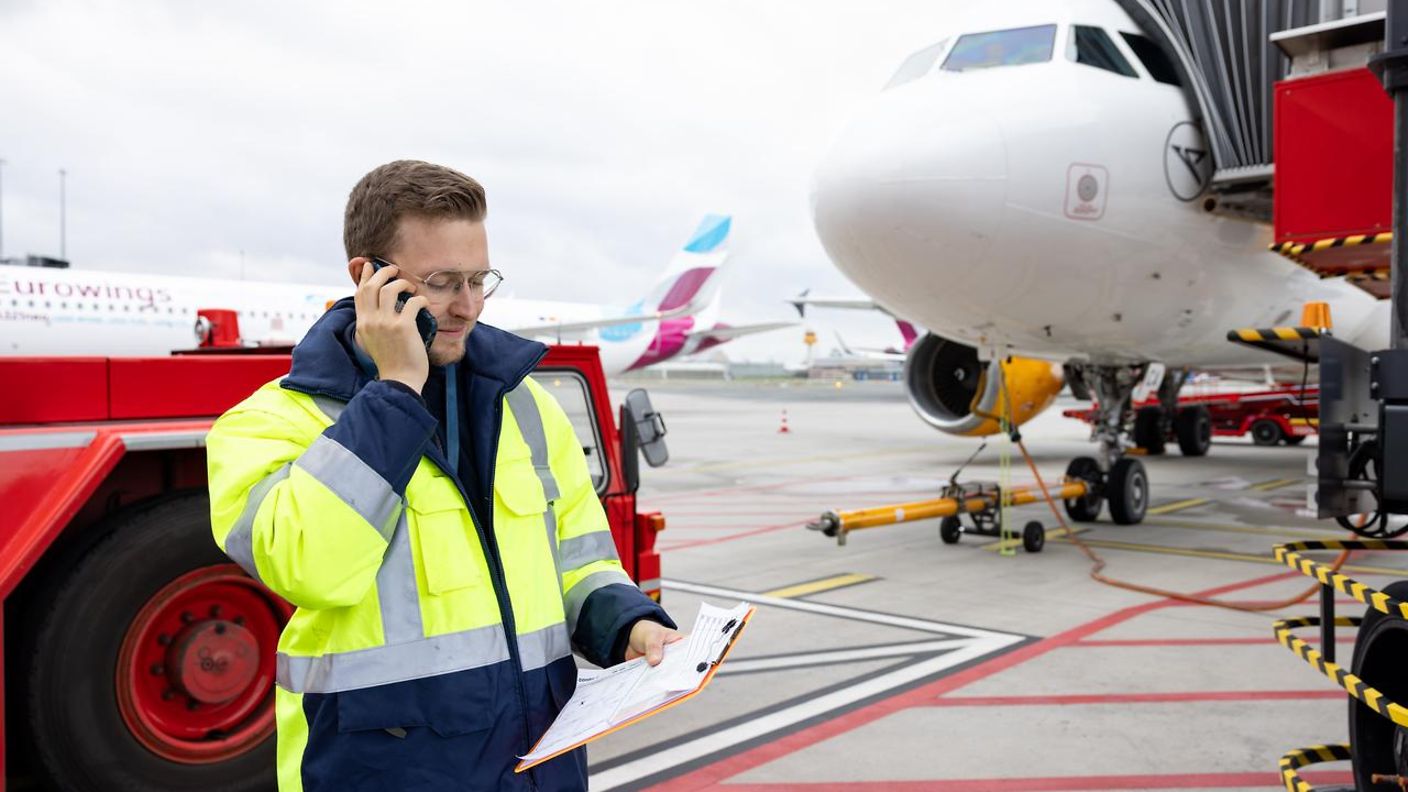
point(648, 640)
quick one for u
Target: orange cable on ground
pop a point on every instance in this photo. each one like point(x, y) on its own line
point(1098, 563)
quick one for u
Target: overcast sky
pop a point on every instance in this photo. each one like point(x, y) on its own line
point(203, 137)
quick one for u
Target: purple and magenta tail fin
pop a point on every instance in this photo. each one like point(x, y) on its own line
point(691, 279)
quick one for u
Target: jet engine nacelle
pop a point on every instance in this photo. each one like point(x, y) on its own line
point(955, 392)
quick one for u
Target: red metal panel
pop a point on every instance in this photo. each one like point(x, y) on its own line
point(51, 390)
point(51, 486)
point(1334, 157)
point(188, 386)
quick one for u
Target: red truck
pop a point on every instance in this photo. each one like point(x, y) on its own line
point(1281, 415)
point(128, 638)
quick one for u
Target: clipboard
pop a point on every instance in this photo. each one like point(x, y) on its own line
point(611, 699)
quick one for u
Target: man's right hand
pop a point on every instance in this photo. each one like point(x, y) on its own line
point(388, 336)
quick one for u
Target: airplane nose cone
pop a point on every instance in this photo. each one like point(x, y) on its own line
point(912, 181)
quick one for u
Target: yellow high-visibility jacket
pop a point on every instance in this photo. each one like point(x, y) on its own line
point(438, 600)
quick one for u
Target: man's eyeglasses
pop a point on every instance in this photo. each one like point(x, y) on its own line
point(449, 284)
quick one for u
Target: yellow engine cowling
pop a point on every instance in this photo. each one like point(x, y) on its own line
point(955, 392)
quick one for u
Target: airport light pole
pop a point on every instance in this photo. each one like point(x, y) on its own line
point(63, 230)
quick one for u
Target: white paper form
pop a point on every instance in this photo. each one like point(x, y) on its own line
point(607, 698)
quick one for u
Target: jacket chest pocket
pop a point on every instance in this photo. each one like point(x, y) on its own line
point(519, 490)
point(448, 550)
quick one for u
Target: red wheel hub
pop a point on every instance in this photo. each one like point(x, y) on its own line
point(214, 662)
point(195, 675)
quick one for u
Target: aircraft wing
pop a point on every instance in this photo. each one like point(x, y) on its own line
point(605, 321)
point(803, 300)
point(870, 353)
point(730, 332)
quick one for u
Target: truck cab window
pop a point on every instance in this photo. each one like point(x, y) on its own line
point(570, 390)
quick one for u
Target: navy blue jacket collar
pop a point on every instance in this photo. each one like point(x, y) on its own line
point(323, 363)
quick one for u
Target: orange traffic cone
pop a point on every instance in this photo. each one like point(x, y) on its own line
point(783, 428)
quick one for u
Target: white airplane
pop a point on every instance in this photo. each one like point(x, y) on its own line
point(74, 312)
point(1035, 185)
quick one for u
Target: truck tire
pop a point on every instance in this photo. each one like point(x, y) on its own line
point(1194, 428)
point(1127, 489)
point(1149, 430)
point(1266, 432)
point(153, 665)
point(1379, 649)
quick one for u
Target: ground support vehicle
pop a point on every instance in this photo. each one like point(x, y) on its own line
point(136, 656)
point(1083, 491)
point(1271, 417)
point(1362, 481)
point(1378, 724)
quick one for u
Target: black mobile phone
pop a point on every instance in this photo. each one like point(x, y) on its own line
point(425, 322)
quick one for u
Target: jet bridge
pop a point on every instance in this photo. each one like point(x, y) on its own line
point(1284, 97)
point(1229, 64)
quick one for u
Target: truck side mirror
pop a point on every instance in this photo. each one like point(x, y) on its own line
point(641, 428)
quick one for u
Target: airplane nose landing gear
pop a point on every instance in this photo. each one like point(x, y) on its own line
point(1111, 476)
point(1126, 487)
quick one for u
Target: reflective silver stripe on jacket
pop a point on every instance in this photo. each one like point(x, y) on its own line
point(530, 425)
point(352, 480)
point(396, 590)
point(586, 549)
point(541, 647)
point(385, 665)
point(577, 595)
point(332, 408)
point(426, 657)
point(239, 542)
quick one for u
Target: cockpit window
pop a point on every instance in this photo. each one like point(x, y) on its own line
point(1093, 47)
point(1002, 48)
point(1155, 60)
point(917, 65)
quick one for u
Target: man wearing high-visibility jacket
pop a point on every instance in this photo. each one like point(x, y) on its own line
point(429, 512)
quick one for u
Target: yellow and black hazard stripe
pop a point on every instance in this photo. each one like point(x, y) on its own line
point(1375, 274)
point(1252, 334)
point(1293, 250)
point(1295, 342)
point(1350, 683)
point(1289, 554)
point(1304, 757)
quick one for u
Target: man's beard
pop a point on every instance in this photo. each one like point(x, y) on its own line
point(440, 356)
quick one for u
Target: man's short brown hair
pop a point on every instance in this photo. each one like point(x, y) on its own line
point(406, 188)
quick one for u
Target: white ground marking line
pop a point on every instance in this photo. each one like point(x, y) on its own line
point(784, 719)
point(841, 656)
point(837, 610)
point(982, 643)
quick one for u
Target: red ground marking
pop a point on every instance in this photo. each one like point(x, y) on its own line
point(674, 496)
point(705, 527)
point(737, 764)
point(1269, 640)
point(730, 537)
point(1059, 784)
point(1134, 698)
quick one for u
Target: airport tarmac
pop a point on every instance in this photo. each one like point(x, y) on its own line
point(899, 662)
